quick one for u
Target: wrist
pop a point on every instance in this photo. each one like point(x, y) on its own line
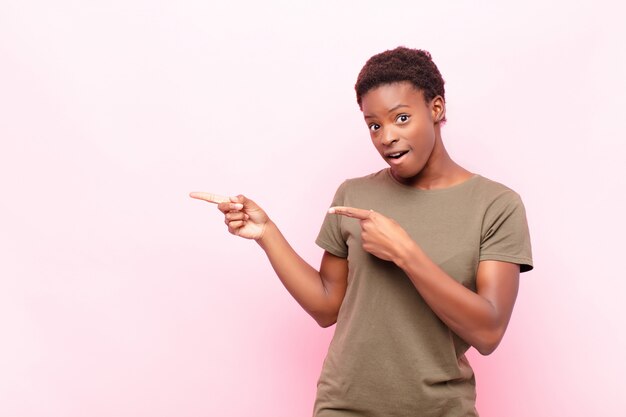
point(269, 228)
point(406, 251)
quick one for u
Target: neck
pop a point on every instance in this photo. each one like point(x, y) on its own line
point(440, 170)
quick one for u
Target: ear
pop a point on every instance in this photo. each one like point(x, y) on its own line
point(438, 109)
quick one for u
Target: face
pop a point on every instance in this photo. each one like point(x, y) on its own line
point(402, 126)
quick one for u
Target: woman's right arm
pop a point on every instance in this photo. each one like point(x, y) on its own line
point(321, 292)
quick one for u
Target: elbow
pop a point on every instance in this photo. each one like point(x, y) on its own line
point(486, 349)
point(325, 322)
point(324, 315)
point(324, 319)
point(489, 342)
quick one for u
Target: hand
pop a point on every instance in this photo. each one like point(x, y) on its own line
point(381, 236)
point(243, 216)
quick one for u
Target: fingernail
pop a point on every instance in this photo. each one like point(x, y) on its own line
point(238, 206)
point(331, 210)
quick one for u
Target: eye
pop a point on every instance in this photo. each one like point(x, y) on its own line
point(402, 118)
point(374, 127)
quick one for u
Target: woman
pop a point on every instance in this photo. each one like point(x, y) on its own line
point(421, 260)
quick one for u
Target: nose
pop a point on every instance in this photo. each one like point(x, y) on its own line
point(389, 137)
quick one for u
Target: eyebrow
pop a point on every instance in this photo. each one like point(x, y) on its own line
point(367, 116)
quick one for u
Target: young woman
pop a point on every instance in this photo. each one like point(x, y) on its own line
point(421, 261)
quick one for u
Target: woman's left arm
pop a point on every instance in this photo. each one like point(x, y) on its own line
point(480, 318)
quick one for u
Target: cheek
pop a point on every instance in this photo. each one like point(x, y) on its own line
point(423, 137)
point(376, 143)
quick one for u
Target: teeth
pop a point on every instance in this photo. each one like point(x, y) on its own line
point(396, 155)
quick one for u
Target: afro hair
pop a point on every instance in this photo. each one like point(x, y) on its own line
point(401, 64)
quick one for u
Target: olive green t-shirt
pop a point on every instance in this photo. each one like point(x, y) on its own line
point(391, 356)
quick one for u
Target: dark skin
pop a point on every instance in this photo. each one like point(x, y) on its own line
point(401, 122)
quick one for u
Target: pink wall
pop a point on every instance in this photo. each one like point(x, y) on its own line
point(120, 296)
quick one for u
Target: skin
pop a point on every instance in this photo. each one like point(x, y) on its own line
point(399, 119)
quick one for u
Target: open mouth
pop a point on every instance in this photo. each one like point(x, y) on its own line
point(397, 155)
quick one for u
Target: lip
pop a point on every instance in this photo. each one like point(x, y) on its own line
point(394, 151)
point(396, 161)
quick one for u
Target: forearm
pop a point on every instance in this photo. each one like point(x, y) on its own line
point(468, 314)
point(302, 281)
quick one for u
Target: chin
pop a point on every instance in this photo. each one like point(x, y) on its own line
point(404, 175)
point(406, 171)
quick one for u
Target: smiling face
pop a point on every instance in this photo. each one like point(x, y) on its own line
point(403, 127)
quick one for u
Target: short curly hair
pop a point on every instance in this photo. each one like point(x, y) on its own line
point(401, 64)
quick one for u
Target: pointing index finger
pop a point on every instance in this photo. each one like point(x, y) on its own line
point(356, 213)
point(211, 198)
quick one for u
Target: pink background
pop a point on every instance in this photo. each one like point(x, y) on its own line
point(121, 296)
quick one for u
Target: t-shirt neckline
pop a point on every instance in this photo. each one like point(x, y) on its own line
point(433, 191)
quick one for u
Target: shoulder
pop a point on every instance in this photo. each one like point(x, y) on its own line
point(493, 192)
point(359, 185)
point(504, 228)
point(368, 179)
point(352, 188)
point(499, 204)
point(363, 183)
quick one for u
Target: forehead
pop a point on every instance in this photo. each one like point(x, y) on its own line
point(387, 96)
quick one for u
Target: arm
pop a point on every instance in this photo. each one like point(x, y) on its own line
point(321, 292)
point(480, 318)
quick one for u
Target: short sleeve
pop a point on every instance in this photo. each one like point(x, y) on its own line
point(330, 237)
point(505, 236)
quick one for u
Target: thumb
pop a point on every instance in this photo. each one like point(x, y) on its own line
point(241, 199)
point(237, 199)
